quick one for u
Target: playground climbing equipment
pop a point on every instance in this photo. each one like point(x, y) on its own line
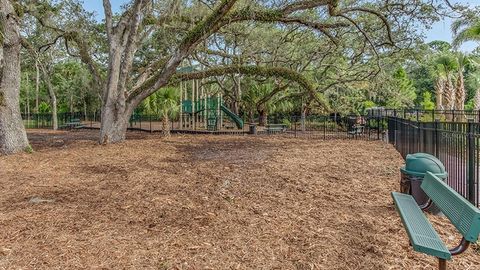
point(202, 109)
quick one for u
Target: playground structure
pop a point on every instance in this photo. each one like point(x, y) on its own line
point(202, 109)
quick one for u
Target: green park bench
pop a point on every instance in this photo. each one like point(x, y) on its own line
point(275, 128)
point(423, 237)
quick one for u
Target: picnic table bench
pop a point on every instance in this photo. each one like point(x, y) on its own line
point(356, 129)
point(274, 128)
point(423, 237)
point(74, 123)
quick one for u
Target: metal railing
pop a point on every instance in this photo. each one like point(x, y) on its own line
point(434, 115)
point(327, 127)
point(456, 144)
point(311, 126)
point(45, 121)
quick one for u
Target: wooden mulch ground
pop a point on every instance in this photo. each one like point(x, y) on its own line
point(206, 202)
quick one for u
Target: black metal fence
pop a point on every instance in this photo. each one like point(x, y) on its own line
point(331, 126)
point(456, 144)
point(435, 115)
point(326, 127)
point(45, 120)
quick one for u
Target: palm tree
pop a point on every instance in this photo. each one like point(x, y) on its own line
point(256, 99)
point(439, 92)
point(264, 99)
point(476, 99)
point(447, 64)
point(466, 29)
point(462, 60)
point(164, 103)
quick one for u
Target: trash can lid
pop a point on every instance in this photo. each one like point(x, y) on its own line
point(419, 163)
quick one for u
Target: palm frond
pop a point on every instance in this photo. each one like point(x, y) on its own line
point(470, 33)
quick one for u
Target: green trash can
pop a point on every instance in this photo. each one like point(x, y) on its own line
point(416, 166)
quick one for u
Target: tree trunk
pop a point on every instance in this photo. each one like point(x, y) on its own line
point(37, 86)
point(460, 97)
point(115, 114)
point(51, 94)
point(53, 98)
point(28, 97)
point(439, 90)
point(113, 126)
point(449, 94)
point(236, 107)
point(449, 97)
point(302, 120)
point(85, 110)
point(165, 125)
point(237, 96)
point(262, 117)
point(71, 104)
point(13, 137)
point(476, 100)
point(53, 102)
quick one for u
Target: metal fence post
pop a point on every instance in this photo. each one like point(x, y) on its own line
point(324, 127)
point(417, 137)
point(295, 120)
point(471, 162)
point(378, 128)
point(150, 120)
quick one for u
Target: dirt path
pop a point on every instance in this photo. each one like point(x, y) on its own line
point(200, 202)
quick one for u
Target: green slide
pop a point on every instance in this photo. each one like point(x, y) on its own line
point(238, 121)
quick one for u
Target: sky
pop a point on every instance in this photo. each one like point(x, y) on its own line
point(439, 31)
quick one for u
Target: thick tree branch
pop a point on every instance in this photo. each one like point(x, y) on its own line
point(108, 18)
point(270, 72)
point(376, 13)
point(203, 29)
point(85, 57)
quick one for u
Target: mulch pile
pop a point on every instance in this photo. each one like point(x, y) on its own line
point(206, 202)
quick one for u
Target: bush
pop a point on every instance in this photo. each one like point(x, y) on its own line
point(287, 123)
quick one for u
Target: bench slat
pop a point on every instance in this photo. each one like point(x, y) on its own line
point(461, 212)
point(423, 236)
